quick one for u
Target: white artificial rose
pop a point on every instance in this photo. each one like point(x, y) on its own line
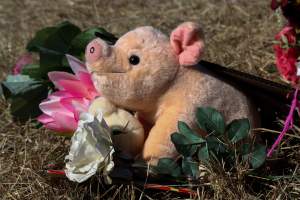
point(91, 149)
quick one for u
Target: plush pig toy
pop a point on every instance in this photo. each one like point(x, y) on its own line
point(158, 77)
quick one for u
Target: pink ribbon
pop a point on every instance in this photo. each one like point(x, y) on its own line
point(288, 124)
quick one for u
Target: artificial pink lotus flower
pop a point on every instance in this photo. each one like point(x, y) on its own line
point(23, 60)
point(61, 109)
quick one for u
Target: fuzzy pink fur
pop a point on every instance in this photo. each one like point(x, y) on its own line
point(187, 44)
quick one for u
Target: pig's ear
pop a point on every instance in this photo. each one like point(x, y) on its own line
point(187, 42)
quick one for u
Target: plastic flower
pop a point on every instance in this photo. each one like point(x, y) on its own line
point(91, 149)
point(287, 54)
point(61, 109)
point(289, 33)
point(23, 60)
point(286, 60)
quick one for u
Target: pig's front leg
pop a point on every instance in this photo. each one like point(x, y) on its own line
point(158, 144)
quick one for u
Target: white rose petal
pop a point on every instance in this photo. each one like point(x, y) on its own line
point(91, 149)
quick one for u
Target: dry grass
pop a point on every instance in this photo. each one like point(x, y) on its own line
point(239, 35)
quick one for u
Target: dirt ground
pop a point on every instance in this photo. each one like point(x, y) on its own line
point(239, 34)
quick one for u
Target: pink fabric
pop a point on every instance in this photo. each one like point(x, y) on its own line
point(61, 109)
point(288, 124)
point(23, 60)
point(93, 51)
point(187, 45)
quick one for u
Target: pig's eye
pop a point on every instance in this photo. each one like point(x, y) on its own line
point(134, 60)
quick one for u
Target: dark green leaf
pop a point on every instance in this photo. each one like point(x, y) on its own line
point(54, 40)
point(203, 153)
point(80, 42)
point(24, 95)
point(238, 130)
point(210, 120)
point(256, 156)
point(168, 166)
point(245, 149)
point(15, 84)
point(190, 167)
point(271, 68)
point(32, 70)
point(183, 145)
point(53, 43)
point(216, 145)
point(40, 38)
point(189, 133)
point(51, 62)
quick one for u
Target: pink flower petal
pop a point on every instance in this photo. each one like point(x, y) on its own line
point(60, 95)
point(66, 123)
point(75, 88)
point(76, 65)
point(54, 127)
point(86, 79)
point(76, 105)
point(43, 118)
point(23, 60)
point(62, 108)
point(53, 105)
point(82, 106)
point(56, 76)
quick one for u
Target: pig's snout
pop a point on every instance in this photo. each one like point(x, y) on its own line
point(96, 50)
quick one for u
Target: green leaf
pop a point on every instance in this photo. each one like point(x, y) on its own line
point(52, 43)
point(183, 145)
point(32, 70)
point(40, 38)
point(245, 149)
point(256, 157)
point(54, 39)
point(15, 84)
point(190, 167)
point(186, 141)
point(271, 69)
point(216, 145)
point(238, 130)
point(80, 42)
point(210, 120)
point(24, 95)
point(203, 153)
point(189, 133)
point(168, 166)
